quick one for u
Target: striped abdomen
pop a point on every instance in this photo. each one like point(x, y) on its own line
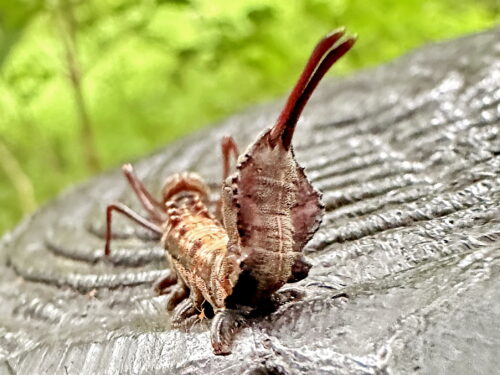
point(197, 249)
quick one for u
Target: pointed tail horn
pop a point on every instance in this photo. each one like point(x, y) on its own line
point(324, 55)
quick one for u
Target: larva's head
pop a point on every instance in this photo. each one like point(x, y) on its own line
point(184, 183)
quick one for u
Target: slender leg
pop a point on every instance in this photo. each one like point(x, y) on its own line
point(179, 293)
point(185, 313)
point(150, 204)
point(300, 270)
point(164, 284)
point(225, 325)
point(228, 145)
point(126, 211)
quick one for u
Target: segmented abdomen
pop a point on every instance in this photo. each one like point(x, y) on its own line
point(197, 247)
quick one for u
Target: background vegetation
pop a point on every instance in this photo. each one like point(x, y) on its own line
point(86, 84)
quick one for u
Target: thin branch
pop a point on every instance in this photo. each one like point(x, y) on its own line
point(67, 29)
point(19, 180)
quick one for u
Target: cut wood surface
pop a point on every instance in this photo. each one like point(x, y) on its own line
point(407, 156)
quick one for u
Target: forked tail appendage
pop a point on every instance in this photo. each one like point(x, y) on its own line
point(324, 55)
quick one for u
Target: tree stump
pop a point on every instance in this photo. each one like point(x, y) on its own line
point(406, 264)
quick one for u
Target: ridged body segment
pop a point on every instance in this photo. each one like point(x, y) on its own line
point(197, 249)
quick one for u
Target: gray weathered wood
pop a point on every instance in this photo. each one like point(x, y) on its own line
point(408, 158)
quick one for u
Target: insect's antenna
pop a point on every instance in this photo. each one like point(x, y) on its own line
point(322, 58)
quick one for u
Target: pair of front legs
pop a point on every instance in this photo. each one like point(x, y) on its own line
point(187, 310)
point(225, 324)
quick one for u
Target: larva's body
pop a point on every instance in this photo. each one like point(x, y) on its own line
point(196, 245)
point(266, 214)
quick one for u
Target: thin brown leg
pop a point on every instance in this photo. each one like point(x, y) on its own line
point(185, 314)
point(163, 285)
point(228, 145)
point(126, 211)
point(150, 204)
point(225, 325)
point(179, 293)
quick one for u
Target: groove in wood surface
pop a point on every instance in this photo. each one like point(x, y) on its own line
point(352, 121)
point(370, 196)
point(340, 169)
point(377, 126)
point(85, 248)
point(315, 161)
point(353, 203)
point(442, 237)
point(357, 177)
point(376, 187)
point(85, 282)
point(407, 214)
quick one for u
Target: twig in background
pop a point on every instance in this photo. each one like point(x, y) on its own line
point(66, 25)
point(19, 180)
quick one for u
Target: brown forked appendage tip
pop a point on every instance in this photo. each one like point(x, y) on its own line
point(322, 58)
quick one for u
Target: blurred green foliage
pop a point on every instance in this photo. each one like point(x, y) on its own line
point(145, 72)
